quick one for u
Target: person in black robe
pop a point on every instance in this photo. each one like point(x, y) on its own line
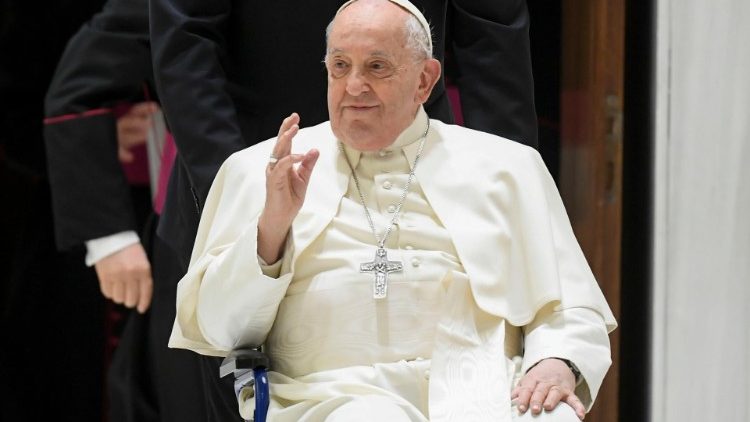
point(228, 71)
point(105, 65)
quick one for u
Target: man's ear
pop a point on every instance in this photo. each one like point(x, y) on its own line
point(427, 79)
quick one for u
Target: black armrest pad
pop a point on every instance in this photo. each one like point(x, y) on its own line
point(243, 359)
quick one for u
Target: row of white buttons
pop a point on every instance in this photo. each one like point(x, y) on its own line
point(415, 262)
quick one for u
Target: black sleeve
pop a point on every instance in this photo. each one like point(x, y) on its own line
point(106, 62)
point(491, 49)
point(188, 49)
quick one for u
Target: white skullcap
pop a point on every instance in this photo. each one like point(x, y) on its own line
point(405, 4)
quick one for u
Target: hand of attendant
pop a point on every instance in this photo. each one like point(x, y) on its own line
point(132, 129)
point(125, 277)
point(286, 186)
point(546, 385)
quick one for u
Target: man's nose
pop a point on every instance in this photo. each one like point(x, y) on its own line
point(356, 83)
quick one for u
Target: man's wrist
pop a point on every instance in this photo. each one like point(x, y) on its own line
point(271, 239)
point(573, 368)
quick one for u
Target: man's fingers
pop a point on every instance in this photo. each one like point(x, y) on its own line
point(554, 396)
point(287, 131)
point(577, 405)
point(118, 291)
point(124, 155)
point(105, 285)
point(145, 291)
point(290, 121)
point(538, 397)
point(284, 165)
point(131, 292)
point(522, 394)
point(284, 143)
point(308, 163)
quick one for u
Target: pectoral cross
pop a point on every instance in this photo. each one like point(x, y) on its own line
point(381, 267)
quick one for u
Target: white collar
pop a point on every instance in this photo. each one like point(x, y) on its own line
point(410, 135)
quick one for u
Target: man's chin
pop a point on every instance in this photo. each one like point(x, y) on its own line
point(358, 127)
point(361, 137)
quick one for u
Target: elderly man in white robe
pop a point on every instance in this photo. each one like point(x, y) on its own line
point(395, 268)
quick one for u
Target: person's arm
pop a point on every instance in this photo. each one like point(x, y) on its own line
point(229, 296)
point(491, 49)
point(106, 63)
point(574, 326)
point(188, 45)
point(577, 335)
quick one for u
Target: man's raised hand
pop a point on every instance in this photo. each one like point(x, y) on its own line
point(287, 178)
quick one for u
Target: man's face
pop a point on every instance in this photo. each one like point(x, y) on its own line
point(373, 78)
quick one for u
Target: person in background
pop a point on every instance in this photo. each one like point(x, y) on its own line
point(99, 108)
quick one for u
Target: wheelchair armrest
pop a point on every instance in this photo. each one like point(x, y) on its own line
point(242, 360)
point(249, 367)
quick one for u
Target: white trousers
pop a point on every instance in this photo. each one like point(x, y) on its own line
point(395, 392)
point(376, 408)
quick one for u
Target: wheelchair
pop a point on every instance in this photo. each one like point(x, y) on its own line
point(250, 370)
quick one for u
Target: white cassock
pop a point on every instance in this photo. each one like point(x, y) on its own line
point(491, 271)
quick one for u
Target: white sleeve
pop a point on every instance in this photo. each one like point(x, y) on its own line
point(237, 302)
point(225, 300)
point(102, 247)
point(576, 334)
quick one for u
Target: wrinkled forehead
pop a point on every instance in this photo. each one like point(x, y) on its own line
point(409, 7)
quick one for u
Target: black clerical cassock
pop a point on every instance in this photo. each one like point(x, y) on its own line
point(108, 63)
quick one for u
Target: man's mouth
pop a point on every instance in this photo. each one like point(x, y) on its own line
point(360, 107)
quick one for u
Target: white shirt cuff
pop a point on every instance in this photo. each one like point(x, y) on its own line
point(102, 247)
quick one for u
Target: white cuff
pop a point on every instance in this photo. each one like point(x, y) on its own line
point(272, 270)
point(102, 247)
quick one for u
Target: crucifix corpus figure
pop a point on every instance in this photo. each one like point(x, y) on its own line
point(381, 266)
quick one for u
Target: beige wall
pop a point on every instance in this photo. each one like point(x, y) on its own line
point(701, 344)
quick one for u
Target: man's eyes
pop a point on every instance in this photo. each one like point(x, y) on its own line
point(338, 67)
point(380, 68)
point(376, 68)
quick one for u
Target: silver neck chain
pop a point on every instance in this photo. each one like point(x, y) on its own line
point(381, 242)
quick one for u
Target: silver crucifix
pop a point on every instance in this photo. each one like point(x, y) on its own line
point(381, 267)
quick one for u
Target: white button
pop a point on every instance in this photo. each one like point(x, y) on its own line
point(391, 208)
point(382, 153)
point(409, 247)
point(427, 374)
point(387, 185)
point(415, 262)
